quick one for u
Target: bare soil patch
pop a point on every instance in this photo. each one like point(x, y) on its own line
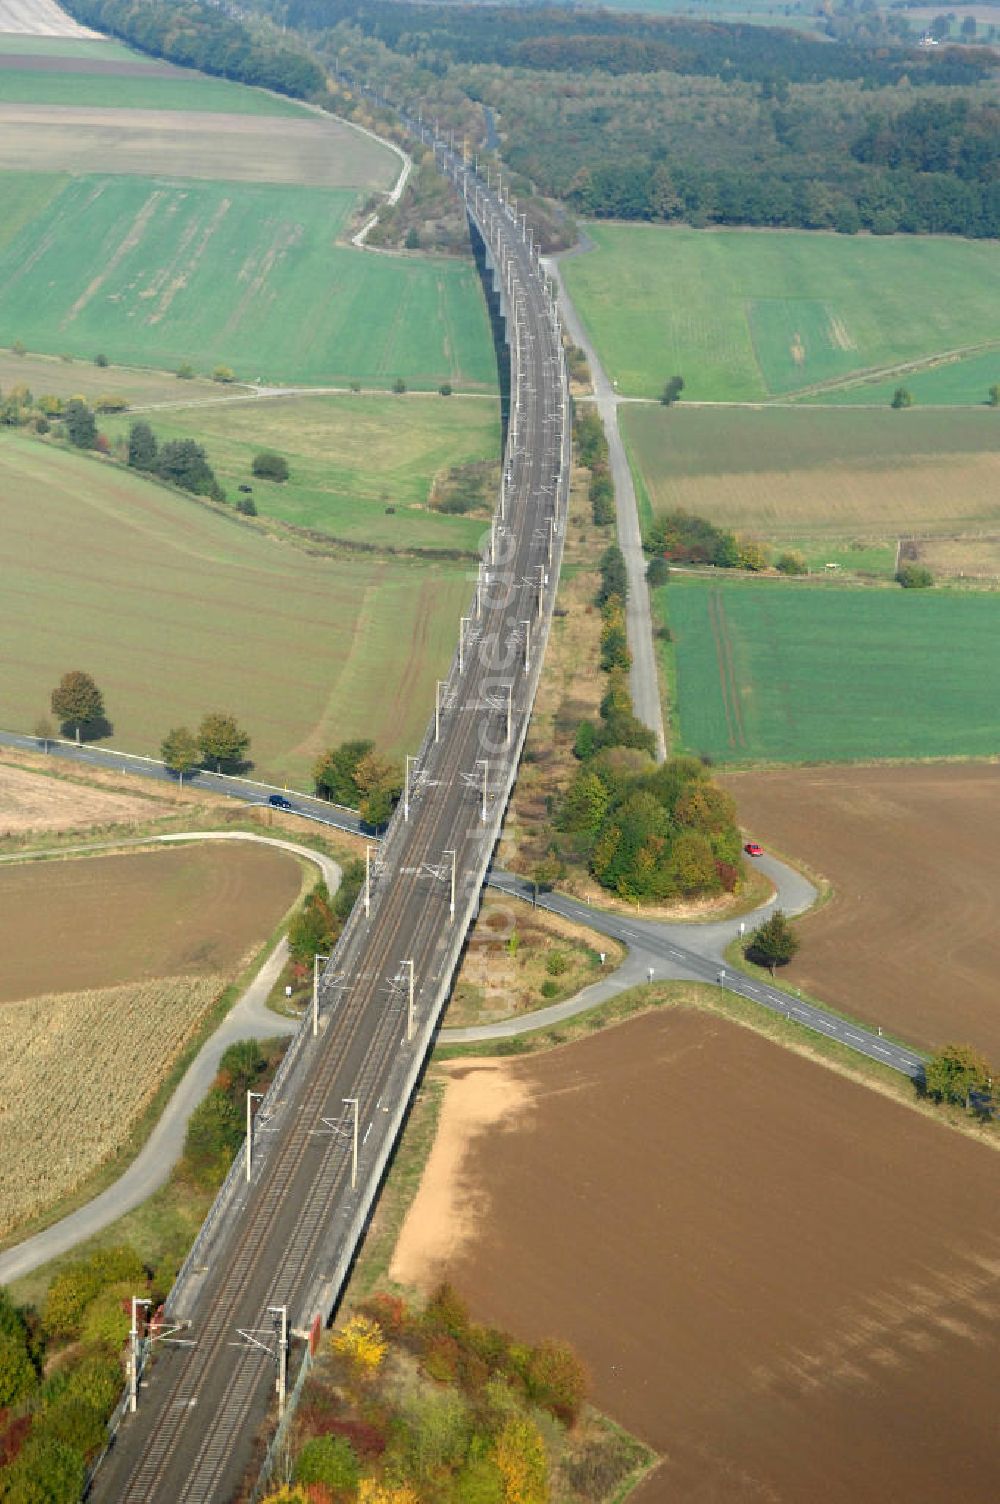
point(787, 1284)
point(192, 144)
point(911, 937)
point(41, 18)
point(93, 922)
point(39, 62)
point(31, 801)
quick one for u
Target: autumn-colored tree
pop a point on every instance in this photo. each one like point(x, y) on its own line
point(752, 555)
point(519, 1453)
point(77, 701)
point(955, 1071)
point(373, 1491)
point(180, 751)
point(287, 1495)
point(362, 1343)
point(221, 740)
point(556, 1380)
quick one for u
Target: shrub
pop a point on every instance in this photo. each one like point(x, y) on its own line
point(556, 963)
point(330, 1460)
point(74, 1422)
point(76, 1285)
point(106, 1320)
point(657, 572)
point(185, 372)
point(225, 374)
point(914, 577)
point(399, 386)
point(902, 397)
point(445, 389)
point(214, 1133)
point(556, 1380)
point(549, 988)
point(791, 562)
point(361, 1342)
point(270, 466)
point(17, 1373)
point(46, 1472)
point(100, 360)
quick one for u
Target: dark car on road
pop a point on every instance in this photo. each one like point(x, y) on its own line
point(278, 801)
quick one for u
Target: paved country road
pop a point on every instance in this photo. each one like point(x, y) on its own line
point(671, 951)
point(692, 952)
point(250, 1017)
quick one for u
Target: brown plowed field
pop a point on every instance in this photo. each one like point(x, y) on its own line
point(787, 1283)
point(911, 938)
point(99, 921)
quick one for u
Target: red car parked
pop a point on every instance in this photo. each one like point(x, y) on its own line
point(752, 849)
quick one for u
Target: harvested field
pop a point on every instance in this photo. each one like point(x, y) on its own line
point(821, 479)
point(48, 375)
point(81, 1069)
point(93, 922)
point(911, 938)
point(40, 18)
point(730, 1236)
point(177, 609)
point(31, 801)
point(321, 153)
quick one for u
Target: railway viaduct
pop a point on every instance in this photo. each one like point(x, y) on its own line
point(270, 1262)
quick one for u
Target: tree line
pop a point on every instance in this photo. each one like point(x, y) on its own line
point(201, 36)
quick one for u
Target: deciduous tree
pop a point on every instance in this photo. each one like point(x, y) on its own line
point(954, 1071)
point(143, 450)
point(180, 751)
point(77, 701)
point(222, 740)
point(80, 424)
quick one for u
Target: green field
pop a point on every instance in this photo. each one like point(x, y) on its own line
point(744, 315)
point(14, 43)
point(176, 610)
point(135, 92)
point(778, 672)
point(157, 272)
point(948, 383)
point(351, 458)
point(795, 14)
point(842, 485)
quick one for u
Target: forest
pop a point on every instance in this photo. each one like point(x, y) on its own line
point(667, 119)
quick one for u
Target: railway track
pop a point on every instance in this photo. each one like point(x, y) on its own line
point(284, 1240)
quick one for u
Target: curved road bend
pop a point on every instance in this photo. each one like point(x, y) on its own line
point(250, 1017)
point(695, 953)
point(644, 680)
point(663, 942)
